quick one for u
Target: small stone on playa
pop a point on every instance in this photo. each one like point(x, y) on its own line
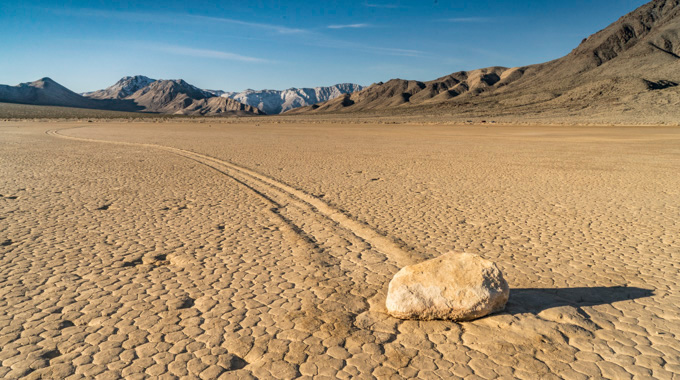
point(454, 286)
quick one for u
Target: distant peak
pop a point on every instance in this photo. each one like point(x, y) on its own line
point(44, 82)
point(136, 77)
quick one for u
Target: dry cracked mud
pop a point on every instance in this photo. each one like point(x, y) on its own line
point(235, 250)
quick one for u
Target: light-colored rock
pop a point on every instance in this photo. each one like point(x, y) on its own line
point(275, 102)
point(455, 286)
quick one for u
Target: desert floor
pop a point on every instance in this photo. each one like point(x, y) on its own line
point(253, 248)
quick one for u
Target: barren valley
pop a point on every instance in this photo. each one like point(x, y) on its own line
point(256, 248)
point(499, 222)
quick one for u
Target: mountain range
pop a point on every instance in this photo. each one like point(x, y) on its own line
point(270, 102)
point(139, 94)
point(629, 65)
point(172, 97)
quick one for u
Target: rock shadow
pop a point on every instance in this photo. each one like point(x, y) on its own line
point(535, 300)
point(104, 207)
point(132, 263)
point(49, 355)
point(236, 363)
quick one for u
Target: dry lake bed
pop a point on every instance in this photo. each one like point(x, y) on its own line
point(263, 248)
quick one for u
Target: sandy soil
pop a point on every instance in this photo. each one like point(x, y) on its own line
point(254, 249)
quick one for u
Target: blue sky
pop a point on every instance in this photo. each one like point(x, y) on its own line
point(234, 45)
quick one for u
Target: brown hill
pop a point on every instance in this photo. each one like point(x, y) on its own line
point(179, 97)
point(632, 63)
point(398, 92)
point(45, 91)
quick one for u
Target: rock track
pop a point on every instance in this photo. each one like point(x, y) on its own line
point(283, 195)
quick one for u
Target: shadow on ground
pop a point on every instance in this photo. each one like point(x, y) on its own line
point(535, 300)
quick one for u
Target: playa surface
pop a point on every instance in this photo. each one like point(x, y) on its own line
point(263, 248)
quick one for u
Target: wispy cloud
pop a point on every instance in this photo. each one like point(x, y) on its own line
point(349, 26)
point(205, 53)
point(303, 36)
point(326, 42)
point(399, 52)
point(468, 19)
point(272, 27)
point(170, 18)
point(387, 6)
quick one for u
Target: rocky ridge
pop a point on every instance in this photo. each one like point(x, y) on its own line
point(179, 97)
point(125, 87)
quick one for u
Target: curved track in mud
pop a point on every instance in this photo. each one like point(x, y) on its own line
point(279, 194)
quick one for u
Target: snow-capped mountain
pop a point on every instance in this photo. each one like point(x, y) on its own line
point(122, 89)
point(219, 92)
point(271, 102)
point(274, 101)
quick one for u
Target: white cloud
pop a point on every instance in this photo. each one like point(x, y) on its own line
point(387, 6)
point(356, 46)
point(171, 18)
point(349, 26)
point(468, 19)
point(205, 53)
point(276, 28)
point(304, 36)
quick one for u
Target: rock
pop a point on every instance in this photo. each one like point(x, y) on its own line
point(455, 286)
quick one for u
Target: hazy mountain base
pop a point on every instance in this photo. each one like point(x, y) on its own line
point(664, 111)
point(14, 111)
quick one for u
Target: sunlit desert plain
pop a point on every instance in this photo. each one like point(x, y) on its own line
point(257, 248)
